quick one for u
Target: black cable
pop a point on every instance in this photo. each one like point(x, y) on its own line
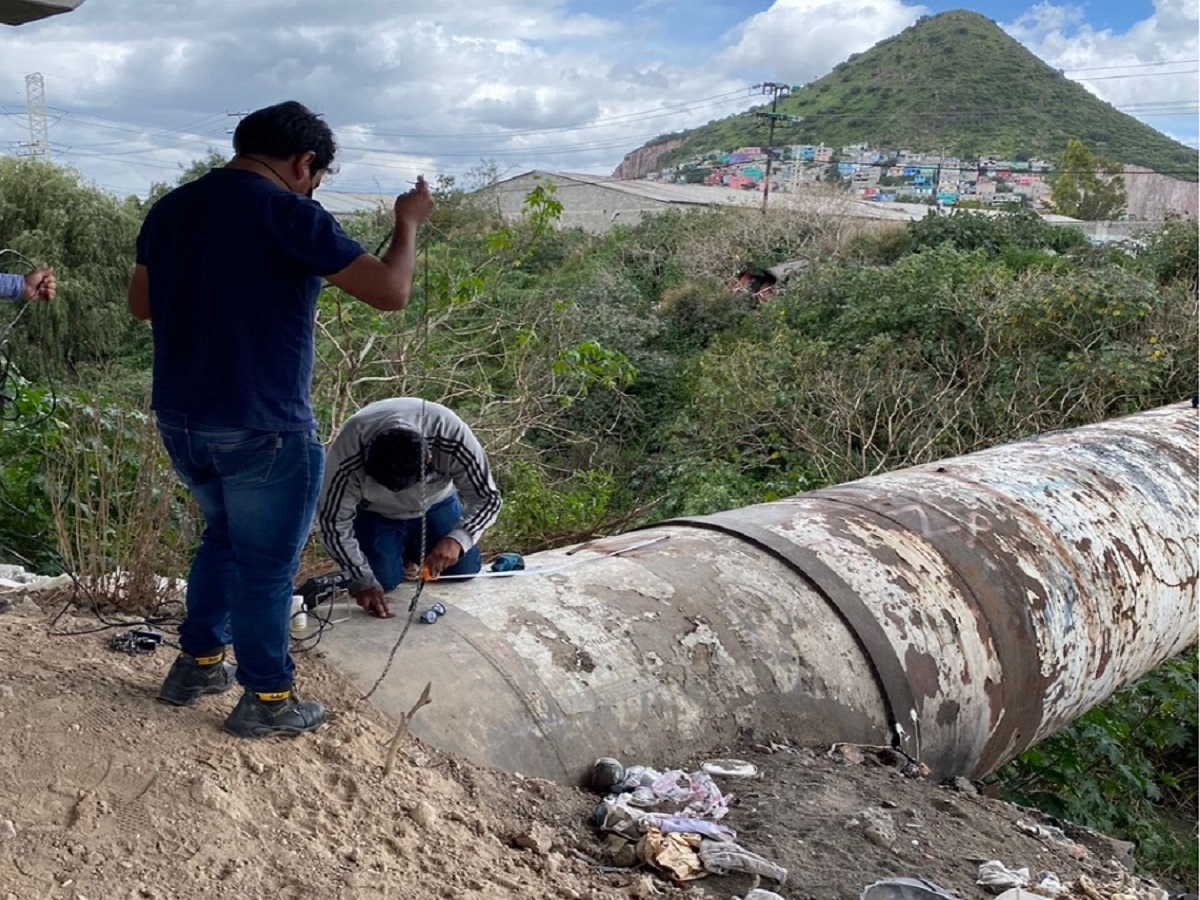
point(306, 643)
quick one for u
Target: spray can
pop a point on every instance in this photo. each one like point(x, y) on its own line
point(299, 620)
point(431, 615)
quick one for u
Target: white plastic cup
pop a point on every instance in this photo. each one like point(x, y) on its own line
point(299, 616)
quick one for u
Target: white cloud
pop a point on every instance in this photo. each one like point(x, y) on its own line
point(139, 88)
point(1112, 64)
point(408, 87)
point(798, 40)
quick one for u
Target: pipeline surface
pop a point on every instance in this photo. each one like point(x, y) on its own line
point(962, 610)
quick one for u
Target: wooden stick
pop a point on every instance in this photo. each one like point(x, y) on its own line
point(402, 729)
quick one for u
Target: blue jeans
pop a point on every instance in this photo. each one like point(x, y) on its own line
point(389, 544)
point(258, 492)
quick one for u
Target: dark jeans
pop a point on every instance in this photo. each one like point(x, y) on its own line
point(389, 544)
point(257, 491)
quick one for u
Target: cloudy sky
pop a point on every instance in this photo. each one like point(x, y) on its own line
point(135, 89)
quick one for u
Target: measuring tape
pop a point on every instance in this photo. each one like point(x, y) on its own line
point(546, 570)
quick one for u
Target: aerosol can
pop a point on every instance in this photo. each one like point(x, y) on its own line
point(431, 615)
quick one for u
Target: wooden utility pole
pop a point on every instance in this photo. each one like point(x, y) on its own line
point(775, 90)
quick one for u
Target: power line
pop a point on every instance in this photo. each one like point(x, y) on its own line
point(185, 140)
point(1165, 62)
point(623, 118)
point(1135, 75)
point(179, 135)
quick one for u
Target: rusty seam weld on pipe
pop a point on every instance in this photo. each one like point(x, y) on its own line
point(886, 666)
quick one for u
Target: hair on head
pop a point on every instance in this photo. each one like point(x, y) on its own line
point(396, 458)
point(285, 130)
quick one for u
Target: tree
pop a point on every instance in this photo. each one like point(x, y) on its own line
point(198, 167)
point(1087, 186)
point(49, 216)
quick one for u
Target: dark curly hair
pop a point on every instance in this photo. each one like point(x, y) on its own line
point(395, 458)
point(283, 131)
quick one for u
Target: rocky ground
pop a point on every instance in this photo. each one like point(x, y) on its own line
point(108, 795)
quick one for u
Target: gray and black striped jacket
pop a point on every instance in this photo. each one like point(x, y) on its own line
point(458, 464)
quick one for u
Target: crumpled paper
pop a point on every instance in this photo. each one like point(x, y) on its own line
point(674, 853)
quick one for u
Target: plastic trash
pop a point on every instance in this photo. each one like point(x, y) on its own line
point(905, 889)
point(996, 878)
point(1048, 884)
point(721, 857)
point(606, 774)
point(299, 621)
point(732, 768)
point(686, 825)
point(1047, 832)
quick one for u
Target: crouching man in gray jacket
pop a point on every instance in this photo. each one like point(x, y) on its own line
point(398, 471)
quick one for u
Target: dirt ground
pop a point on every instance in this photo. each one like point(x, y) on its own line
point(108, 795)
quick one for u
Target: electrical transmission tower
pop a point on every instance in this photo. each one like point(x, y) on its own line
point(775, 90)
point(39, 123)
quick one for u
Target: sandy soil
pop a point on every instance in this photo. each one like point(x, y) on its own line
point(107, 795)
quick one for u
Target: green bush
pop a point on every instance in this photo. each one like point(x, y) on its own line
point(1170, 254)
point(1023, 230)
point(26, 521)
point(540, 513)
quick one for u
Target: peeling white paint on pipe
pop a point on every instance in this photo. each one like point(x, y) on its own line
point(972, 607)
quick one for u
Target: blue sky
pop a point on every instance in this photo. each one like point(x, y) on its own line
point(1114, 14)
point(136, 89)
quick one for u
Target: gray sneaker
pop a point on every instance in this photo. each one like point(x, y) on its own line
point(191, 677)
point(256, 717)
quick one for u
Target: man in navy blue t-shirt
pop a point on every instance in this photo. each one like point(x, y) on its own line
point(228, 271)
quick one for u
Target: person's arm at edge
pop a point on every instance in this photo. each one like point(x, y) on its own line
point(139, 293)
point(12, 287)
point(336, 509)
point(37, 285)
point(385, 282)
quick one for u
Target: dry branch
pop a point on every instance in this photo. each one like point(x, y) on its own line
point(402, 729)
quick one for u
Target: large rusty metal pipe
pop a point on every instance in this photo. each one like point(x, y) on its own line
point(963, 610)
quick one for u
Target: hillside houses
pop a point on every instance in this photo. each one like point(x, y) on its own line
point(597, 203)
point(874, 174)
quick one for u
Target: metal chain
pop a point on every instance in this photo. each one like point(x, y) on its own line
point(412, 606)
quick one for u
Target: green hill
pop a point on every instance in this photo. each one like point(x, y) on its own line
point(956, 83)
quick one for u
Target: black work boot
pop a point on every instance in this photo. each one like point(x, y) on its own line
point(191, 677)
point(260, 715)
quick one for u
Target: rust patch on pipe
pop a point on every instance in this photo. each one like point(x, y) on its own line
point(922, 674)
point(987, 574)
